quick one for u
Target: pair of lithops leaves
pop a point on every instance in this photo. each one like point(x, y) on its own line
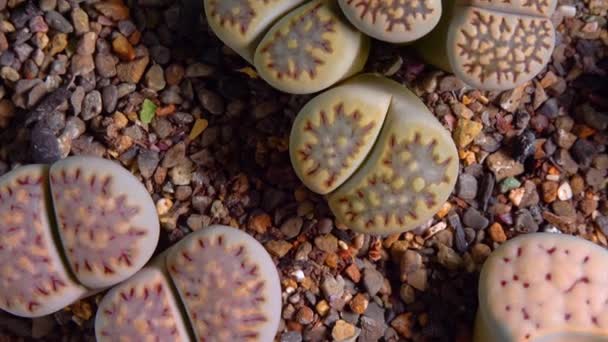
point(489, 44)
point(217, 284)
point(70, 230)
point(297, 46)
point(544, 288)
point(373, 148)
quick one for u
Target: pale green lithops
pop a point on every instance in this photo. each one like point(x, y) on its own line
point(383, 160)
point(544, 288)
point(101, 228)
point(394, 21)
point(493, 44)
point(241, 24)
point(225, 280)
point(337, 134)
point(310, 49)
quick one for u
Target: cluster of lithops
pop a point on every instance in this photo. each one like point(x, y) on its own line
point(69, 230)
point(298, 50)
point(394, 21)
point(492, 44)
point(489, 44)
point(544, 288)
point(217, 284)
point(383, 160)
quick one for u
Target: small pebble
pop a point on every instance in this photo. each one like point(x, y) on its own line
point(564, 192)
point(474, 219)
point(58, 22)
point(467, 186)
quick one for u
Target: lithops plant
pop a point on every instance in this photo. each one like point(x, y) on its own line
point(106, 219)
point(373, 148)
point(310, 49)
point(224, 279)
point(34, 280)
point(492, 44)
point(64, 232)
point(142, 308)
point(297, 50)
point(241, 24)
point(544, 287)
point(394, 21)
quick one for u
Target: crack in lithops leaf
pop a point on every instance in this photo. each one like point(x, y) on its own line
point(335, 143)
point(490, 46)
point(95, 225)
point(222, 288)
point(414, 168)
point(299, 50)
point(28, 271)
point(239, 13)
point(139, 311)
point(396, 12)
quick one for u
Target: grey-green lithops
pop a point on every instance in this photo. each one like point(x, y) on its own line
point(383, 160)
point(492, 44)
point(394, 21)
point(241, 24)
point(70, 230)
point(298, 50)
point(224, 279)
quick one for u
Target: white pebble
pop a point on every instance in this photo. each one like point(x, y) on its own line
point(567, 11)
point(298, 274)
point(564, 192)
point(554, 178)
point(163, 206)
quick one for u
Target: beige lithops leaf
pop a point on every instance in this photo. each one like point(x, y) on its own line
point(393, 21)
point(495, 50)
point(310, 49)
point(33, 279)
point(228, 284)
point(408, 175)
point(335, 131)
point(143, 308)
point(106, 219)
point(240, 24)
point(544, 287)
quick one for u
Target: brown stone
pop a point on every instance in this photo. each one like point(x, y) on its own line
point(359, 303)
point(327, 243)
point(352, 271)
point(480, 252)
point(123, 48)
point(7, 110)
point(132, 72)
point(305, 315)
point(550, 191)
point(113, 9)
point(577, 183)
point(504, 166)
point(588, 206)
point(403, 324)
point(278, 247)
point(497, 233)
point(260, 223)
point(343, 331)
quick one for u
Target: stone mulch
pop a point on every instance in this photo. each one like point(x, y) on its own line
point(212, 147)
